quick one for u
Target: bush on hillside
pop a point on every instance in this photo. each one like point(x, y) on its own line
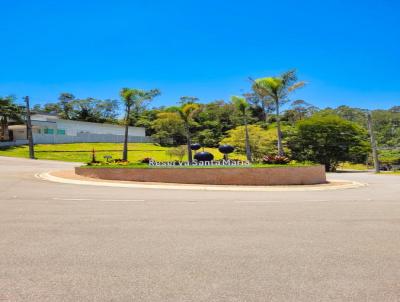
point(275, 159)
point(262, 141)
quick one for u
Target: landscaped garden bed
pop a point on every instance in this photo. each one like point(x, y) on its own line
point(255, 175)
point(129, 165)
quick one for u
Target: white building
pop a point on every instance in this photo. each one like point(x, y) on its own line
point(49, 129)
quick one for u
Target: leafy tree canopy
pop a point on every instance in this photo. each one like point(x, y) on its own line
point(328, 140)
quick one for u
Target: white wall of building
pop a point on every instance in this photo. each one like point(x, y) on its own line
point(51, 130)
point(73, 128)
point(87, 138)
point(44, 117)
point(19, 133)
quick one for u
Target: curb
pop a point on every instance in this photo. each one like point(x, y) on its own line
point(121, 184)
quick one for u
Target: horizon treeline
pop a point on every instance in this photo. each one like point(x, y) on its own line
point(211, 125)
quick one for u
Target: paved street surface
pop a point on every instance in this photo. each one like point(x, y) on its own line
point(63, 242)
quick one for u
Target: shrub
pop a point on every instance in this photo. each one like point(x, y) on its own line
point(262, 141)
point(146, 160)
point(275, 159)
point(118, 160)
point(93, 163)
point(178, 152)
point(391, 157)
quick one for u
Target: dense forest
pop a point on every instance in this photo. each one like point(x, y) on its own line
point(215, 119)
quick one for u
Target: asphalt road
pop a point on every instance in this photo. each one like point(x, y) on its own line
point(63, 242)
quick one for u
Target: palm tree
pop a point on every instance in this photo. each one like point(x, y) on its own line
point(187, 112)
point(133, 97)
point(278, 89)
point(258, 100)
point(242, 105)
point(8, 110)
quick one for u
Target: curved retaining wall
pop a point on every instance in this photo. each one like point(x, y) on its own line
point(213, 176)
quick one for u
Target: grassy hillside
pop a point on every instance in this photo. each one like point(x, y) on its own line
point(83, 152)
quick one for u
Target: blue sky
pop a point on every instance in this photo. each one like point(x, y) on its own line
point(347, 51)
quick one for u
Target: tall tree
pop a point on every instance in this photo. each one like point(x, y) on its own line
point(261, 141)
point(94, 110)
point(299, 110)
point(329, 140)
point(187, 113)
point(278, 89)
point(66, 105)
point(242, 105)
point(259, 101)
point(107, 110)
point(8, 110)
point(52, 108)
point(216, 118)
point(133, 98)
point(183, 100)
point(168, 128)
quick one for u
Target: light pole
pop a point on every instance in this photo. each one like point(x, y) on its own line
point(29, 129)
point(373, 142)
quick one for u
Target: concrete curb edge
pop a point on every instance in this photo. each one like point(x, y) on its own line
point(123, 184)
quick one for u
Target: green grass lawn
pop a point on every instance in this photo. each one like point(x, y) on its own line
point(362, 167)
point(351, 166)
point(390, 172)
point(82, 152)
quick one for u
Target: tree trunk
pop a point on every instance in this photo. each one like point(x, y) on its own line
point(264, 110)
point(29, 129)
point(330, 166)
point(189, 149)
point(125, 152)
point(374, 148)
point(248, 150)
point(4, 129)
point(279, 132)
